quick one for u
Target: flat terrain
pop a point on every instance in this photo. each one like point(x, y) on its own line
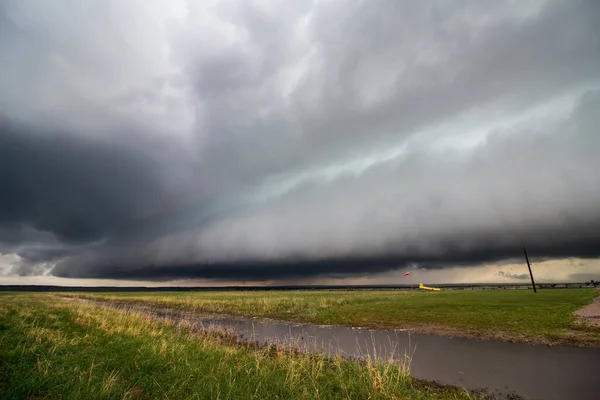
point(54, 348)
point(511, 315)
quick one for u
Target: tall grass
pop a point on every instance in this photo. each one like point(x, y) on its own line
point(52, 348)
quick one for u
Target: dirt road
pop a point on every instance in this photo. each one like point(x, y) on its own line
point(590, 314)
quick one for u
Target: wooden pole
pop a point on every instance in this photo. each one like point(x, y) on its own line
point(530, 273)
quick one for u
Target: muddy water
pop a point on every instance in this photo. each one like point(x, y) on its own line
point(532, 371)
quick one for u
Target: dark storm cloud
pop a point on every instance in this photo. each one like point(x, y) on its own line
point(384, 69)
point(264, 140)
point(78, 189)
point(117, 266)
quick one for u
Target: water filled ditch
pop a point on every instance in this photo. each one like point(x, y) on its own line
point(533, 371)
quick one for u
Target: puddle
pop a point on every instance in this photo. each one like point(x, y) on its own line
point(532, 371)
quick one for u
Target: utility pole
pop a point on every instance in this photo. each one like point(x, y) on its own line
point(530, 273)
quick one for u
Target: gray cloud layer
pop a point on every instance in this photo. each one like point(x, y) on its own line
point(264, 140)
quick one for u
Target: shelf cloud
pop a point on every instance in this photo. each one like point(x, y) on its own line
point(265, 140)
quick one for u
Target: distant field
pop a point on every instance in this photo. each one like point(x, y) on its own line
point(52, 348)
point(521, 315)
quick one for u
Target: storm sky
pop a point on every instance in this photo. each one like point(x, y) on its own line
point(297, 140)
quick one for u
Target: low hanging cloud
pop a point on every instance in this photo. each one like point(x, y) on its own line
point(513, 276)
point(263, 140)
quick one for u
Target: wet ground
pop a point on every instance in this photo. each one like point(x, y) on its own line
point(532, 371)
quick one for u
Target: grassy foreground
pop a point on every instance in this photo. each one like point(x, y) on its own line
point(52, 348)
point(545, 317)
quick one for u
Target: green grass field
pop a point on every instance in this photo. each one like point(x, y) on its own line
point(501, 314)
point(51, 348)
